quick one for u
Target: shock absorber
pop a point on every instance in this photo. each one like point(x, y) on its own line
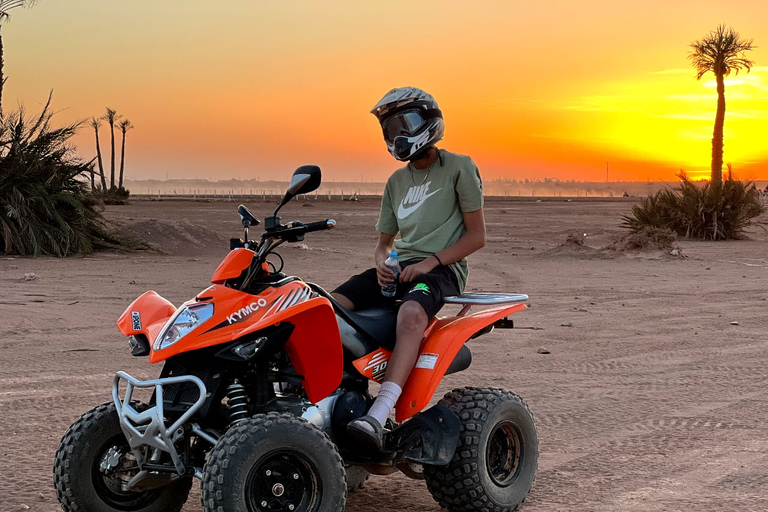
point(237, 402)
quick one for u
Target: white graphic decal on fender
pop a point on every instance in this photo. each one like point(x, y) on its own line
point(379, 363)
point(243, 313)
point(136, 317)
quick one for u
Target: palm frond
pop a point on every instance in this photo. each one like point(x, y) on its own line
point(45, 207)
point(125, 125)
point(111, 116)
point(7, 5)
point(721, 51)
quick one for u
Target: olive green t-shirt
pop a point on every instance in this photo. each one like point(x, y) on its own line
point(426, 206)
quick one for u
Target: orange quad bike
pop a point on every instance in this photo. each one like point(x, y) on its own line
point(263, 371)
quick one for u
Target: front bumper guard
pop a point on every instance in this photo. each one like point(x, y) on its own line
point(146, 431)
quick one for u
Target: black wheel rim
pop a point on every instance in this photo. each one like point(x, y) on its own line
point(108, 485)
point(283, 480)
point(504, 453)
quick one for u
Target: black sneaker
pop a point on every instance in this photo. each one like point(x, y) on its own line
point(367, 431)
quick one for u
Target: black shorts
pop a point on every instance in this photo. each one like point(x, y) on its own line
point(428, 290)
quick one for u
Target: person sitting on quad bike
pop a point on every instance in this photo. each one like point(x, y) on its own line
point(435, 202)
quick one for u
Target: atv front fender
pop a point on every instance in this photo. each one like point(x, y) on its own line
point(146, 315)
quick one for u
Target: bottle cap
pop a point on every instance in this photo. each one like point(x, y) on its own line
point(393, 254)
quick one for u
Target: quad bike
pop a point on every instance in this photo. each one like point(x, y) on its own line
point(262, 372)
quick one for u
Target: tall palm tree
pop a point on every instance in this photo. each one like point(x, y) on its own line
point(95, 124)
point(721, 51)
point(5, 7)
point(111, 116)
point(125, 125)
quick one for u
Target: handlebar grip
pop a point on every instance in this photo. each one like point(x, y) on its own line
point(319, 225)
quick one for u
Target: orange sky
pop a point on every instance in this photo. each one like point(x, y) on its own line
point(244, 89)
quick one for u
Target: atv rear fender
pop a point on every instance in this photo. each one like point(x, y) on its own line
point(443, 341)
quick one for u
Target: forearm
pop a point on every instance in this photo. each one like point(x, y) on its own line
point(466, 245)
point(383, 248)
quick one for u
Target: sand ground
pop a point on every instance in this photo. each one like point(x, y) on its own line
point(652, 398)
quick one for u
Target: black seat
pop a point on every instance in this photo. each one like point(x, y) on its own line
point(378, 324)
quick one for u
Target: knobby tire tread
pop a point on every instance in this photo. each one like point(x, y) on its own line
point(459, 489)
point(61, 469)
point(227, 446)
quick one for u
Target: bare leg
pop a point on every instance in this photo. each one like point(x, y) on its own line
point(411, 323)
point(345, 302)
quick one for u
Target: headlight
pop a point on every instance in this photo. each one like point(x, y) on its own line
point(182, 323)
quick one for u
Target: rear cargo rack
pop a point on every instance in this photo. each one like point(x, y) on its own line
point(484, 299)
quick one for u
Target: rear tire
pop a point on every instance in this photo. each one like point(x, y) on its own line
point(80, 484)
point(274, 462)
point(496, 459)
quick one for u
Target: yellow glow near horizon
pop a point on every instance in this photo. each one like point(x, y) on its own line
point(556, 89)
point(668, 118)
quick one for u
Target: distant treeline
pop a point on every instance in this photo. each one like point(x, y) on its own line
point(502, 188)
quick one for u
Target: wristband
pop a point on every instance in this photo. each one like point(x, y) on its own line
point(438, 259)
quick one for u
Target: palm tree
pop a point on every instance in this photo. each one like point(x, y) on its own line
point(95, 124)
point(5, 7)
point(111, 116)
point(125, 125)
point(720, 52)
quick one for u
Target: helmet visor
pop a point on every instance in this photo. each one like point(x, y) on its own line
point(403, 123)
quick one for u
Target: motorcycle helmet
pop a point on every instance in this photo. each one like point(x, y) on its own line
point(411, 122)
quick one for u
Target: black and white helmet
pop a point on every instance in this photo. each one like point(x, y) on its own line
point(411, 121)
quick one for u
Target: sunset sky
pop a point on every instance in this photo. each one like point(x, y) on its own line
point(249, 89)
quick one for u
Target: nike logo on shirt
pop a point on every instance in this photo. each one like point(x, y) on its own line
point(416, 194)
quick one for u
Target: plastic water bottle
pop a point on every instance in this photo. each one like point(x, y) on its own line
point(391, 263)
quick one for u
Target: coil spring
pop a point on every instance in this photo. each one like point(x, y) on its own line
point(237, 403)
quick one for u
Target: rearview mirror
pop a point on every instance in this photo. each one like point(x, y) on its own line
point(247, 217)
point(305, 179)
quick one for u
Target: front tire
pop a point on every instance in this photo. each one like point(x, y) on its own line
point(496, 459)
point(356, 477)
point(274, 462)
point(82, 486)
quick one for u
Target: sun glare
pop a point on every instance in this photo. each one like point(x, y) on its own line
point(668, 117)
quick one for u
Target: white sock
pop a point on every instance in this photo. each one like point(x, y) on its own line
point(385, 402)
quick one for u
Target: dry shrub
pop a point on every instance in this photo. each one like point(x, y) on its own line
point(712, 211)
point(646, 238)
point(574, 239)
point(45, 207)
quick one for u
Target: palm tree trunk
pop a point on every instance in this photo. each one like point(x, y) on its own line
point(101, 165)
point(717, 136)
point(112, 169)
point(122, 161)
point(2, 78)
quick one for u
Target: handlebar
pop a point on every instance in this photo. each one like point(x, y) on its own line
point(296, 229)
point(275, 235)
point(320, 225)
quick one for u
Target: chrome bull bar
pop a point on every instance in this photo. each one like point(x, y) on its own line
point(147, 429)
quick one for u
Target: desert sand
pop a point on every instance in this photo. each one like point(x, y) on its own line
point(652, 398)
